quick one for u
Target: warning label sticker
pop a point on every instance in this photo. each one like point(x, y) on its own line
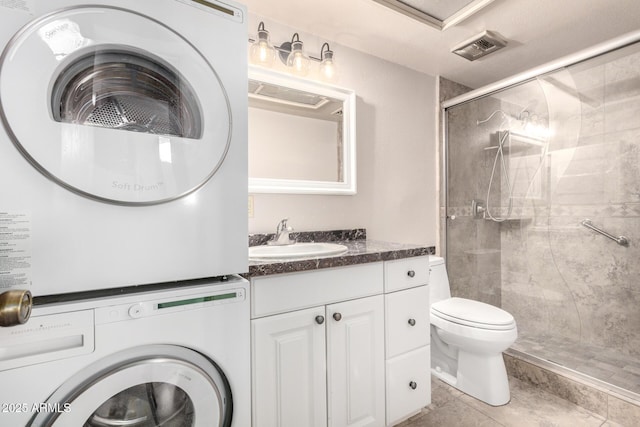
point(15, 250)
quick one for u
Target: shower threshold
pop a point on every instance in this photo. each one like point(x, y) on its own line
point(601, 368)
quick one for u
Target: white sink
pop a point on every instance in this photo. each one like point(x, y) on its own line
point(298, 250)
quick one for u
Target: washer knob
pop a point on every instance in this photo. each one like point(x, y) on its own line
point(136, 311)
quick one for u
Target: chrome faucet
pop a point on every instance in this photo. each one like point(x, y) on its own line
point(282, 234)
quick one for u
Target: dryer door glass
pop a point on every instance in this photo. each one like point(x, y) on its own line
point(114, 105)
point(126, 90)
point(159, 385)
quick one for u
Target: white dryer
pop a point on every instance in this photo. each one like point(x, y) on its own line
point(172, 358)
point(123, 155)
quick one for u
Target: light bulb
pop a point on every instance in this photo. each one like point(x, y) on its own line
point(297, 60)
point(328, 66)
point(261, 52)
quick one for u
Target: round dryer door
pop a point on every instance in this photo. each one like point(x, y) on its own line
point(149, 386)
point(114, 105)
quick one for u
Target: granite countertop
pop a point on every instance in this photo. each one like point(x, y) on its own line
point(360, 251)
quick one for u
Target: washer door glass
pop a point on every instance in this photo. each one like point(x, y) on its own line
point(149, 386)
point(149, 404)
point(114, 105)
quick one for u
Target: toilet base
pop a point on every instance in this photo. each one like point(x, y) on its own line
point(481, 376)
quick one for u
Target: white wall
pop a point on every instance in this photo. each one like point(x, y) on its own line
point(396, 153)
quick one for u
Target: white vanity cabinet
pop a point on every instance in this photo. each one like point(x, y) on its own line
point(321, 352)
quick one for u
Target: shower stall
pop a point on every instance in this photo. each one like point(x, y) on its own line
point(541, 179)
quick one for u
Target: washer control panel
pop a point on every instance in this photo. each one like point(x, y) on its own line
point(137, 310)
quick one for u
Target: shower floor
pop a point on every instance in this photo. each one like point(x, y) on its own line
point(602, 363)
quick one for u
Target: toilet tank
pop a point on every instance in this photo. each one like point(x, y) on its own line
point(438, 280)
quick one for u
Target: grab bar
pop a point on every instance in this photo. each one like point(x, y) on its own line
point(621, 240)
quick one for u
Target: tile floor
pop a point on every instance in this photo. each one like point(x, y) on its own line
point(529, 406)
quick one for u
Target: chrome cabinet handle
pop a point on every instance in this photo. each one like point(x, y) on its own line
point(412, 322)
point(319, 320)
point(337, 317)
point(411, 273)
point(413, 385)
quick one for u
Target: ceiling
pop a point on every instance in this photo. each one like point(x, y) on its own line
point(538, 31)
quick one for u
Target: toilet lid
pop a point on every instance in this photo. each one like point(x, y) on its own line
point(473, 313)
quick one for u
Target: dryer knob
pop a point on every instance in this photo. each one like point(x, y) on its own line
point(136, 311)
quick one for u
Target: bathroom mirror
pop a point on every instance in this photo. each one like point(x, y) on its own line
point(301, 135)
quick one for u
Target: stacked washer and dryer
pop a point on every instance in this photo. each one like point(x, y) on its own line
point(123, 191)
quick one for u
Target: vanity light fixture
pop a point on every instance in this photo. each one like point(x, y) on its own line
point(261, 51)
point(297, 61)
point(327, 66)
point(292, 54)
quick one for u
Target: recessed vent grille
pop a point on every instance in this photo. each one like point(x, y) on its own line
point(480, 45)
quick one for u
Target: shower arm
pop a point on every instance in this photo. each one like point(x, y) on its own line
point(621, 240)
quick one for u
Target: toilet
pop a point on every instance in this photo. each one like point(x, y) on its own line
point(467, 340)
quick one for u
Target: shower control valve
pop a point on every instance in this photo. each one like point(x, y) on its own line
point(478, 209)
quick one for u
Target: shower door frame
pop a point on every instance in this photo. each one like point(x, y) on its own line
point(488, 90)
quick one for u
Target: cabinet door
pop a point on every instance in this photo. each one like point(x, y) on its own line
point(355, 362)
point(289, 379)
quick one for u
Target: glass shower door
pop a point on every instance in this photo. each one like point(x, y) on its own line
point(527, 166)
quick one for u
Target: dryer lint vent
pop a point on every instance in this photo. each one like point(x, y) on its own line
point(481, 45)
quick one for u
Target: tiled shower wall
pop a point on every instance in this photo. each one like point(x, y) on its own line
point(472, 246)
point(561, 281)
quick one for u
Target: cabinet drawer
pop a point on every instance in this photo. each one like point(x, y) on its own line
point(406, 320)
point(408, 384)
point(293, 291)
point(406, 273)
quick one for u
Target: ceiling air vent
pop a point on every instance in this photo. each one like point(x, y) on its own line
point(480, 45)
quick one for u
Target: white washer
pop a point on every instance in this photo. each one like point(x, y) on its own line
point(177, 357)
point(123, 155)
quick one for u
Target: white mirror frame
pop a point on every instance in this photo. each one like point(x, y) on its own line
point(348, 98)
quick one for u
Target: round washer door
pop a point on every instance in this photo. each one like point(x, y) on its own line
point(159, 385)
point(114, 105)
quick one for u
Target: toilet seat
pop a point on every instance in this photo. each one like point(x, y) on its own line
point(473, 313)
